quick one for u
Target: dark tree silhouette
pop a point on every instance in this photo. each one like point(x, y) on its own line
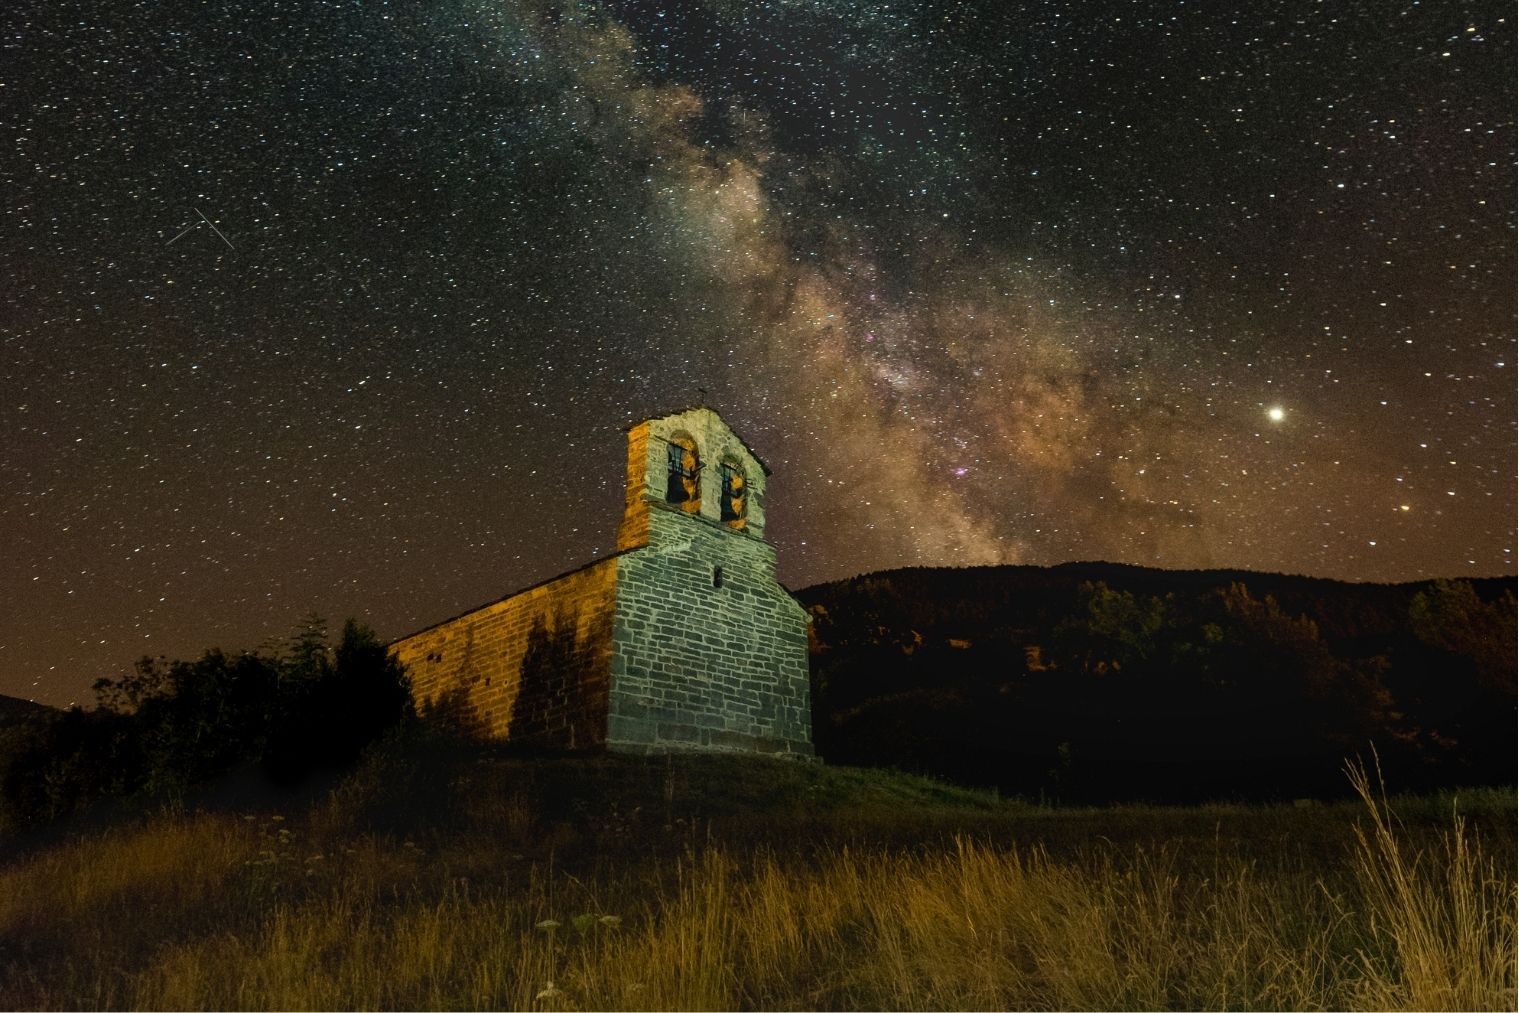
point(167, 726)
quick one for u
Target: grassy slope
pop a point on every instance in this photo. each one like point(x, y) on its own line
point(709, 882)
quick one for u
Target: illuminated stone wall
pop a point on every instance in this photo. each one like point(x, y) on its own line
point(533, 667)
point(702, 660)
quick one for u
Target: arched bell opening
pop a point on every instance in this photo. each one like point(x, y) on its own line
point(683, 482)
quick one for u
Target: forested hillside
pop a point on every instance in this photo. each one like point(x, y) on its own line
point(1101, 682)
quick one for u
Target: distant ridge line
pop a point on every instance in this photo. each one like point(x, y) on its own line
point(1190, 577)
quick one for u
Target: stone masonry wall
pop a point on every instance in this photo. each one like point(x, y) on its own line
point(701, 667)
point(533, 667)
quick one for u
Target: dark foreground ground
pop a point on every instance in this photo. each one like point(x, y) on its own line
point(443, 875)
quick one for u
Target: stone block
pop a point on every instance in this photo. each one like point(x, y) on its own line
point(672, 732)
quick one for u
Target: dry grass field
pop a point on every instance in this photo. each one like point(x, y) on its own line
point(469, 880)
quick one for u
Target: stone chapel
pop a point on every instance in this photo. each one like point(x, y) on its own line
point(681, 639)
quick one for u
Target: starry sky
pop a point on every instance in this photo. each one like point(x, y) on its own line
point(342, 306)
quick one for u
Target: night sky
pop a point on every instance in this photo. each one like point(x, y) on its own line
point(343, 306)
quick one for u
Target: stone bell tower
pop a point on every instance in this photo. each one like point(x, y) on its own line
point(691, 463)
point(708, 647)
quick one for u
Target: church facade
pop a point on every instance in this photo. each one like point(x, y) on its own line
point(682, 639)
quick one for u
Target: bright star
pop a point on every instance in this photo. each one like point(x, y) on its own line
point(1276, 414)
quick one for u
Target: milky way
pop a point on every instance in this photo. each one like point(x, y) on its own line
point(343, 307)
